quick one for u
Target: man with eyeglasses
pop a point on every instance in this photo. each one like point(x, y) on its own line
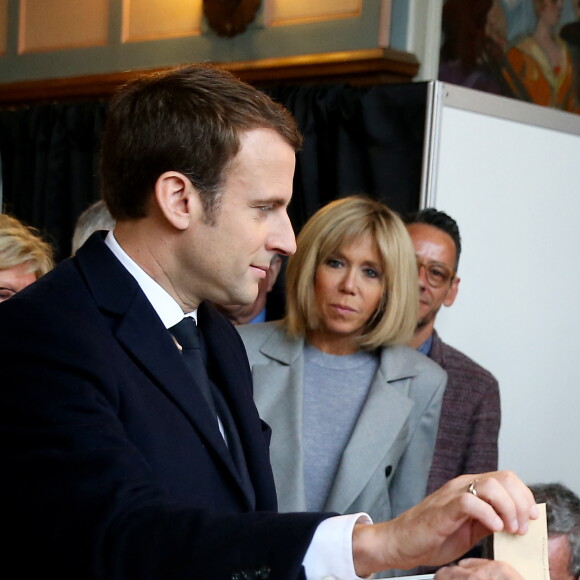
point(470, 413)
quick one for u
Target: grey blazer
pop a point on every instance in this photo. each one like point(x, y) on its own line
point(385, 465)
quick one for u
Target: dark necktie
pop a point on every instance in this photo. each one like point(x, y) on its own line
point(191, 342)
point(188, 337)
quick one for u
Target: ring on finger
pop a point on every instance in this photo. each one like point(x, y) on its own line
point(471, 489)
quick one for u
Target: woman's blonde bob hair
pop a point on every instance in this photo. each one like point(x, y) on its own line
point(21, 244)
point(330, 228)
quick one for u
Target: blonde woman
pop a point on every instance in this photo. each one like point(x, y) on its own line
point(24, 256)
point(354, 412)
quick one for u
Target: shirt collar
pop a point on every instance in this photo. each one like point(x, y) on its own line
point(163, 303)
point(425, 348)
point(260, 317)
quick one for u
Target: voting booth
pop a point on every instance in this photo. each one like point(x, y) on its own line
point(509, 173)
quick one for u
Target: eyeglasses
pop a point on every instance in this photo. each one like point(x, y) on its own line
point(437, 274)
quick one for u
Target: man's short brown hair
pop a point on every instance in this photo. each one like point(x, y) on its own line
point(187, 120)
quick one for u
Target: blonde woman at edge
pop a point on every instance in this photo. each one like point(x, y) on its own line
point(354, 412)
point(24, 256)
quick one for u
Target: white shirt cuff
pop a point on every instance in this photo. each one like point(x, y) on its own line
point(329, 556)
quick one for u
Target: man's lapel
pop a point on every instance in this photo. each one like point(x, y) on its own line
point(231, 373)
point(141, 333)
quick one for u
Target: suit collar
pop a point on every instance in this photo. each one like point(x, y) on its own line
point(164, 304)
point(437, 352)
point(397, 365)
point(281, 347)
point(112, 287)
point(286, 350)
point(140, 331)
point(279, 390)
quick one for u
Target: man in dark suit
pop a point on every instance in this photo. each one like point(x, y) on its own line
point(125, 458)
point(470, 413)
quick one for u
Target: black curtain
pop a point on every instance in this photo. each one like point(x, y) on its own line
point(49, 157)
point(357, 140)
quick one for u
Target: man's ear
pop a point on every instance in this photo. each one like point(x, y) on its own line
point(177, 199)
point(452, 292)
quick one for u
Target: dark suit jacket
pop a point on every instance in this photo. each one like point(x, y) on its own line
point(111, 467)
point(470, 418)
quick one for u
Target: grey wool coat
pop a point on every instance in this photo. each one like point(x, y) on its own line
point(385, 465)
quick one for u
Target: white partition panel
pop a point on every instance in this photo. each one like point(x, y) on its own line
point(509, 173)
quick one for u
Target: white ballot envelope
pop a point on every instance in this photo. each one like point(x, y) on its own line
point(527, 554)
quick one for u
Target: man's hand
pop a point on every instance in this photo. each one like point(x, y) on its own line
point(445, 524)
point(475, 569)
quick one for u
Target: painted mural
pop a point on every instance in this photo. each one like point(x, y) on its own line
point(526, 49)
